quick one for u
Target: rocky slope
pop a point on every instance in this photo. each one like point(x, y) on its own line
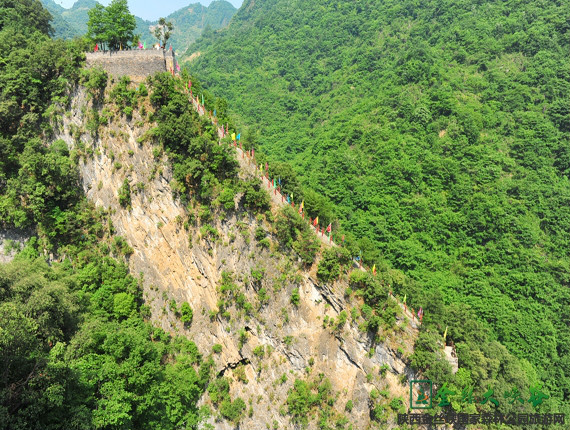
point(182, 262)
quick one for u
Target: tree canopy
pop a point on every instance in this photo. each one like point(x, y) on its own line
point(113, 25)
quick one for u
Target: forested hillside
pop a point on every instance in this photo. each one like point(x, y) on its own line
point(436, 138)
point(436, 134)
point(75, 349)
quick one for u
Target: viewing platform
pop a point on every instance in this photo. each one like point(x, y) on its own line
point(135, 63)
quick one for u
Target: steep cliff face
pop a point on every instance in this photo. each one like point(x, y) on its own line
point(266, 340)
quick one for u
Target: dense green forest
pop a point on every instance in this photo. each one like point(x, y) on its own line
point(435, 135)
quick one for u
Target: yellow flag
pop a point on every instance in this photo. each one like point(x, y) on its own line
point(405, 298)
point(374, 269)
point(445, 333)
point(233, 136)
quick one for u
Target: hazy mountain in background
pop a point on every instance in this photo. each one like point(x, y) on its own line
point(63, 29)
point(189, 22)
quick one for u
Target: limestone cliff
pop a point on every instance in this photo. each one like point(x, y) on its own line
point(183, 263)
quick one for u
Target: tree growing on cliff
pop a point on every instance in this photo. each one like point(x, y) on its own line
point(113, 25)
point(163, 31)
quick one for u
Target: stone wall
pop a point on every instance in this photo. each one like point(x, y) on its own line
point(134, 63)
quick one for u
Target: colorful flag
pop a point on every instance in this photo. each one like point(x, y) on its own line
point(329, 228)
point(177, 67)
point(233, 136)
point(316, 221)
point(238, 136)
point(189, 84)
point(302, 206)
point(374, 269)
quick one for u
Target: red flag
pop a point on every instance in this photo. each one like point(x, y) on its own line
point(96, 47)
point(189, 84)
point(316, 221)
point(329, 228)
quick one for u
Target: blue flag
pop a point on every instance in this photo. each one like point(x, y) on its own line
point(238, 136)
point(214, 112)
point(288, 200)
point(279, 181)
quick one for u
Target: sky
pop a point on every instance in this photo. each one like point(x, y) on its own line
point(151, 10)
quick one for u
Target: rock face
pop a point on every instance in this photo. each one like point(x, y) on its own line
point(181, 264)
point(12, 241)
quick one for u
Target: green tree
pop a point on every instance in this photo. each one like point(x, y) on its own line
point(113, 25)
point(97, 24)
point(25, 16)
point(163, 31)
